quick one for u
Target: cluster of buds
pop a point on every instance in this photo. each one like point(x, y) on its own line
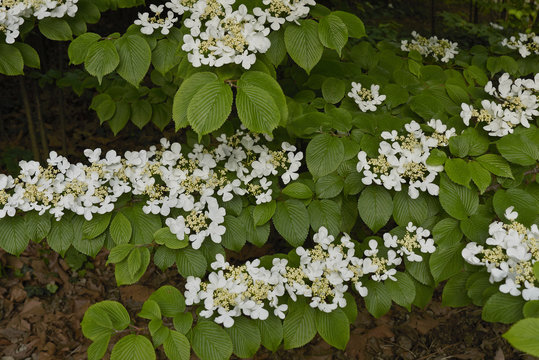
point(366, 99)
point(403, 158)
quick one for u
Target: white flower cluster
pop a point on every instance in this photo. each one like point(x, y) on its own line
point(510, 255)
point(516, 103)
point(14, 12)
point(218, 33)
point(439, 49)
point(526, 44)
point(403, 159)
point(366, 99)
point(166, 179)
point(321, 276)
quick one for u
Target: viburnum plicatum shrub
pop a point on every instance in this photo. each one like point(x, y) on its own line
point(376, 170)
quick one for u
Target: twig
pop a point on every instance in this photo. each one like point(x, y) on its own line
point(27, 109)
point(42, 133)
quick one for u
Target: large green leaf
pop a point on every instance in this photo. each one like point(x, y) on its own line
point(378, 300)
point(458, 201)
point(299, 326)
point(291, 219)
point(133, 347)
point(29, 55)
point(524, 336)
point(55, 29)
point(326, 213)
point(185, 94)
point(104, 318)
point(120, 229)
point(303, 44)
point(504, 308)
point(210, 106)
point(332, 32)
point(518, 149)
point(13, 235)
point(78, 48)
point(135, 57)
point(333, 327)
point(210, 342)
point(324, 154)
point(375, 207)
point(170, 300)
point(256, 108)
point(165, 55)
point(402, 291)
point(354, 24)
point(271, 332)
point(102, 59)
point(245, 337)
point(191, 262)
point(446, 262)
point(177, 346)
point(406, 209)
point(11, 60)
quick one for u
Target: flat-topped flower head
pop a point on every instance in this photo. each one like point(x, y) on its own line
point(366, 99)
point(440, 49)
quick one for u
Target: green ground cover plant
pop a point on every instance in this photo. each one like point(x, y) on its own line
point(381, 168)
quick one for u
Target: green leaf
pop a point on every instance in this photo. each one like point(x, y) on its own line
point(150, 310)
point(329, 186)
point(120, 118)
point(268, 84)
point(299, 326)
point(61, 235)
point(475, 73)
point(135, 347)
point(235, 236)
point(378, 300)
point(523, 335)
point(375, 207)
point(11, 60)
point(127, 272)
point(518, 149)
point(303, 44)
point(325, 213)
point(291, 219)
point(210, 106)
point(13, 235)
point(503, 308)
point(87, 246)
point(277, 51)
point(120, 229)
point(135, 57)
point(406, 209)
point(164, 257)
point(102, 59)
point(271, 332)
point(170, 300)
point(496, 165)
point(256, 108)
point(55, 29)
point(480, 176)
point(143, 225)
point(262, 213)
point(447, 231)
point(97, 349)
point(427, 106)
point(104, 318)
point(395, 95)
point(141, 113)
point(350, 310)
point(456, 93)
point(458, 201)
point(332, 32)
point(297, 190)
point(37, 226)
point(78, 48)
point(185, 94)
point(165, 55)
point(355, 26)
point(119, 253)
point(333, 90)
point(177, 346)
point(29, 55)
point(191, 263)
point(401, 291)
point(446, 261)
point(210, 342)
point(458, 171)
point(324, 154)
point(531, 309)
point(163, 236)
point(245, 337)
point(333, 327)
point(183, 322)
point(454, 291)
point(96, 226)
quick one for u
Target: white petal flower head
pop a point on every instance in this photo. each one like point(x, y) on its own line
point(510, 214)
